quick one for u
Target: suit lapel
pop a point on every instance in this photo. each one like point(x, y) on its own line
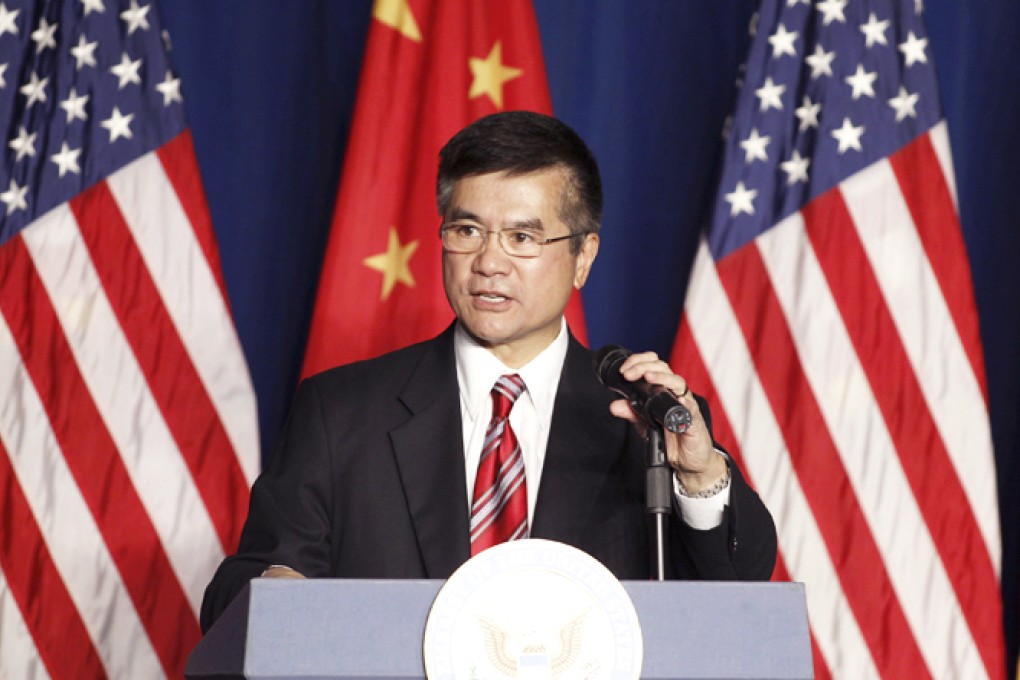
point(429, 450)
point(585, 440)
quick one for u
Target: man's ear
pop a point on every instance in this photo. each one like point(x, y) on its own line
point(585, 259)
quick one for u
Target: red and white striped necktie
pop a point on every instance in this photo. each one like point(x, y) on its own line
point(499, 511)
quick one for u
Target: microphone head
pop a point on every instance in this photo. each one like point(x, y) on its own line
point(607, 363)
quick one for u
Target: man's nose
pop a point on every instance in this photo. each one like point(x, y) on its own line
point(491, 256)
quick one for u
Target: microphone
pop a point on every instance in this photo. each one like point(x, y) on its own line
point(654, 403)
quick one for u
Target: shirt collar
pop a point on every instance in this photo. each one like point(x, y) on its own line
point(478, 369)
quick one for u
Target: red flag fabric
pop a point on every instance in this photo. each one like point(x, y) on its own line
point(431, 67)
point(128, 433)
point(830, 320)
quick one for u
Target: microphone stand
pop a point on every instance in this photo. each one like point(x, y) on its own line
point(658, 497)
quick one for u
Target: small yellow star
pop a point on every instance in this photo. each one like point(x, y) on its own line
point(394, 263)
point(490, 74)
point(397, 15)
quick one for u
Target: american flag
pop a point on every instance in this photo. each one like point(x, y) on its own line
point(831, 317)
point(128, 435)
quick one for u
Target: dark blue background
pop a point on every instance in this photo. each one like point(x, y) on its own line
point(269, 87)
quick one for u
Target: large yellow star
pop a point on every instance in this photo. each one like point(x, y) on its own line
point(394, 263)
point(490, 74)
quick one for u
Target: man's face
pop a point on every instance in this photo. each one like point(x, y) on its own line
point(513, 305)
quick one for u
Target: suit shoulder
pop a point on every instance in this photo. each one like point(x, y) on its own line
point(388, 371)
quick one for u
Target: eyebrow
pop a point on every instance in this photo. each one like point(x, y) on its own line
point(532, 224)
point(458, 214)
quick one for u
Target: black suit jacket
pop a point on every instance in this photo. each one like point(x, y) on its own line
point(368, 482)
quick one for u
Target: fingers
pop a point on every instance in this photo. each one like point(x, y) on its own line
point(654, 370)
point(280, 571)
point(621, 409)
point(690, 454)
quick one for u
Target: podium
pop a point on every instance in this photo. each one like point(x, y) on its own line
point(318, 629)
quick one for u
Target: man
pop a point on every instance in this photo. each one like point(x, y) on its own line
point(380, 471)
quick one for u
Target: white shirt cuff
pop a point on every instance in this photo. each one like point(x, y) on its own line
point(705, 513)
point(702, 513)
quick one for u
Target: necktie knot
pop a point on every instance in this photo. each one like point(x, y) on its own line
point(504, 393)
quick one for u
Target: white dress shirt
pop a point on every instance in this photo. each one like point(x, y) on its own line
point(477, 371)
point(531, 416)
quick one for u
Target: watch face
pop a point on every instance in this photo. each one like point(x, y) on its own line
point(533, 609)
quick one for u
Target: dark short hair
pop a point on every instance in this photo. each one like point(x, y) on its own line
point(518, 143)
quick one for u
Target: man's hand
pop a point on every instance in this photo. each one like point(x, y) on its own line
point(691, 455)
point(280, 571)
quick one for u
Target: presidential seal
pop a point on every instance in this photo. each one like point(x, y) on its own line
point(533, 609)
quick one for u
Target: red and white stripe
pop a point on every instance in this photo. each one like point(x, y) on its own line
point(842, 349)
point(499, 510)
point(128, 436)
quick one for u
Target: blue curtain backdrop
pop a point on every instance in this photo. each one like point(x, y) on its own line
point(269, 87)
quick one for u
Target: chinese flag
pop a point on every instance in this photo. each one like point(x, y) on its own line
point(431, 67)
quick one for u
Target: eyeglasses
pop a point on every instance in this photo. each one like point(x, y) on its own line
point(468, 237)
